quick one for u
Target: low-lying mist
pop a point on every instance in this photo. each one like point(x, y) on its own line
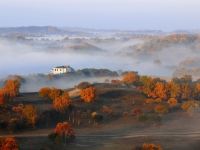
point(34, 84)
point(157, 55)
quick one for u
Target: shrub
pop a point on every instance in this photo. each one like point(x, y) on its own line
point(190, 105)
point(172, 102)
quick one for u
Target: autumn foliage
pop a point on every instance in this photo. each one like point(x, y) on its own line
point(62, 102)
point(50, 93)
point(151, 146)
point(64, 129)
point(2, 97)
point(44, 92)
point(11, 87)
point(88, 95)
point(172, 102)
point(9, 91)
point(190, 105)
point(8, 143)
point(30, 113)
point(63, 133)
point(130, 77)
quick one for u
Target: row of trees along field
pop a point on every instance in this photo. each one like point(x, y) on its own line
point(183, 90)
point(180, 88)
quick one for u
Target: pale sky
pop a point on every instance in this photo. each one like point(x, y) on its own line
point(102, 14)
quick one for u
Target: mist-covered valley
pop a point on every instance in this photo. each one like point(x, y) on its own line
point(33, 50)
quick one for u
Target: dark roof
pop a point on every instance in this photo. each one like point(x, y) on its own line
point(62, 67)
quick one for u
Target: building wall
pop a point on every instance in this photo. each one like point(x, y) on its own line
point(59, 70)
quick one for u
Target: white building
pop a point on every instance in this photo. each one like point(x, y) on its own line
point(61, 70)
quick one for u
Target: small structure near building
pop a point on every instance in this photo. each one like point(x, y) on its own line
point(61, 70)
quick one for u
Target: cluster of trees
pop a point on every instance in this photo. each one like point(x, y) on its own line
point(8, 143)
point(179, 88)
point(50, 93)
point(60, 98)
point(88, 94)
point(63, 133)
point(27, 112)
point(9, 91)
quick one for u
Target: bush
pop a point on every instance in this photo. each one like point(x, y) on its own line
point(172, 102)
point(190, 105)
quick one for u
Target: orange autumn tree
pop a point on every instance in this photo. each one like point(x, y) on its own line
point(44, 92)
point(64, 129)
point(130, 77)
point(173, 89)
point(11, 87)
point(172, 102)
point(54, 93)
point(148, 84)
point(8, 143)
point(151, 146)
point(62, 102)
point(9, 91)
point(160, 90)
point(63, 132)
point(50, 93)
point(30, 113)
point(88, 95)
point(186, 91)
